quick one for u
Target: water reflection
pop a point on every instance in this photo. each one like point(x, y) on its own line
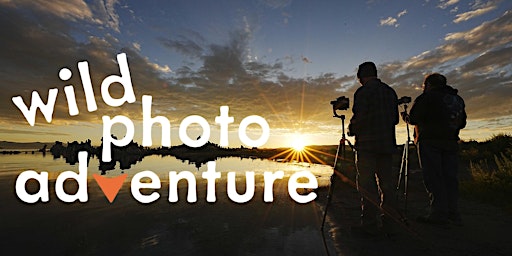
point(162, 165)
point(125, 226)
point(130, 155)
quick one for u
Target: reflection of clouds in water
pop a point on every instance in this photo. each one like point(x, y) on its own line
point(163, 165)
point(224, 228)
point(259, 166)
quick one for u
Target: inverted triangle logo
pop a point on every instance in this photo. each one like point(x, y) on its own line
point(110, 186)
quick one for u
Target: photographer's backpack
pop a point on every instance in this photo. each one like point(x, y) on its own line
point(455, 111)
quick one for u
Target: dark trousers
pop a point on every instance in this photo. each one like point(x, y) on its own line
point(440, 168)
point(376, 184)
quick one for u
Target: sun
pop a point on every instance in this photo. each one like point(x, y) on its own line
point(298, 144)
point(299, 151)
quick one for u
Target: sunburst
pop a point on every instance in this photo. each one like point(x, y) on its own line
point(298, 145)
point(299, 152)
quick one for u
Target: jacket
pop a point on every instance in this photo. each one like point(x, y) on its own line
point(375, 114)
point(431, 115)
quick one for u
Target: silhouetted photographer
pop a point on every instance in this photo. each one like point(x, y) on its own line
point(375, 114)
point(439, 114)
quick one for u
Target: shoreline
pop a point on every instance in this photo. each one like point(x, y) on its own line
point(481, 234)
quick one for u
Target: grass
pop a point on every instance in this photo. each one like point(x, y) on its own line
point(490, 169)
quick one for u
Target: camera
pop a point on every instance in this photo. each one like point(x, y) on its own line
point(341, 103)
point(404, 100)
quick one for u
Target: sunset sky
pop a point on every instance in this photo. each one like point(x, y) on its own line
point(283, 60)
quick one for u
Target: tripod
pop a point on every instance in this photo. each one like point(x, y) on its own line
point(341, 146)
point(404, 166)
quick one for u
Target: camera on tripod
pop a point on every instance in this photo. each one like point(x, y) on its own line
point(404, 165)
point(341, 103)
point(404, 100)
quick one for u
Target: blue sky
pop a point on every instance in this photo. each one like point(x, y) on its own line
point(283, 60)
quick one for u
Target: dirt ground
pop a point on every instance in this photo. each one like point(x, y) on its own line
point(485, 231)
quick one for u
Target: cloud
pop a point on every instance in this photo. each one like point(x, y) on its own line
point(475, 61)
point(478, 10)
point(189, 46)
point(276, 4)
point(35, 56)
point(402, 13)
point(159, 68)
point(21, 132)
point(136, 46)
point(71, 10)
point(443, 4)
point(466, 44)
point(306, 60)
point(107, 13)
point(391, 21)
point(102, 12)
point(247, 86)
point(223, 76)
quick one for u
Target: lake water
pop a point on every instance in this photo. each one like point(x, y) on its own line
point(127, 227)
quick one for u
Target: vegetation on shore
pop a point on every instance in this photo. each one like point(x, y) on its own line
point(489, 165)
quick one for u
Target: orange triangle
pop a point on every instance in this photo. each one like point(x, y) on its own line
point(110, 186)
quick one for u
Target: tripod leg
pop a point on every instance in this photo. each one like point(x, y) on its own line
point(406, 180)
point(329, 199)
point(331, 186)
point(404, 171)
point(358, 188)
point(341, 146)
point(401, 171)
